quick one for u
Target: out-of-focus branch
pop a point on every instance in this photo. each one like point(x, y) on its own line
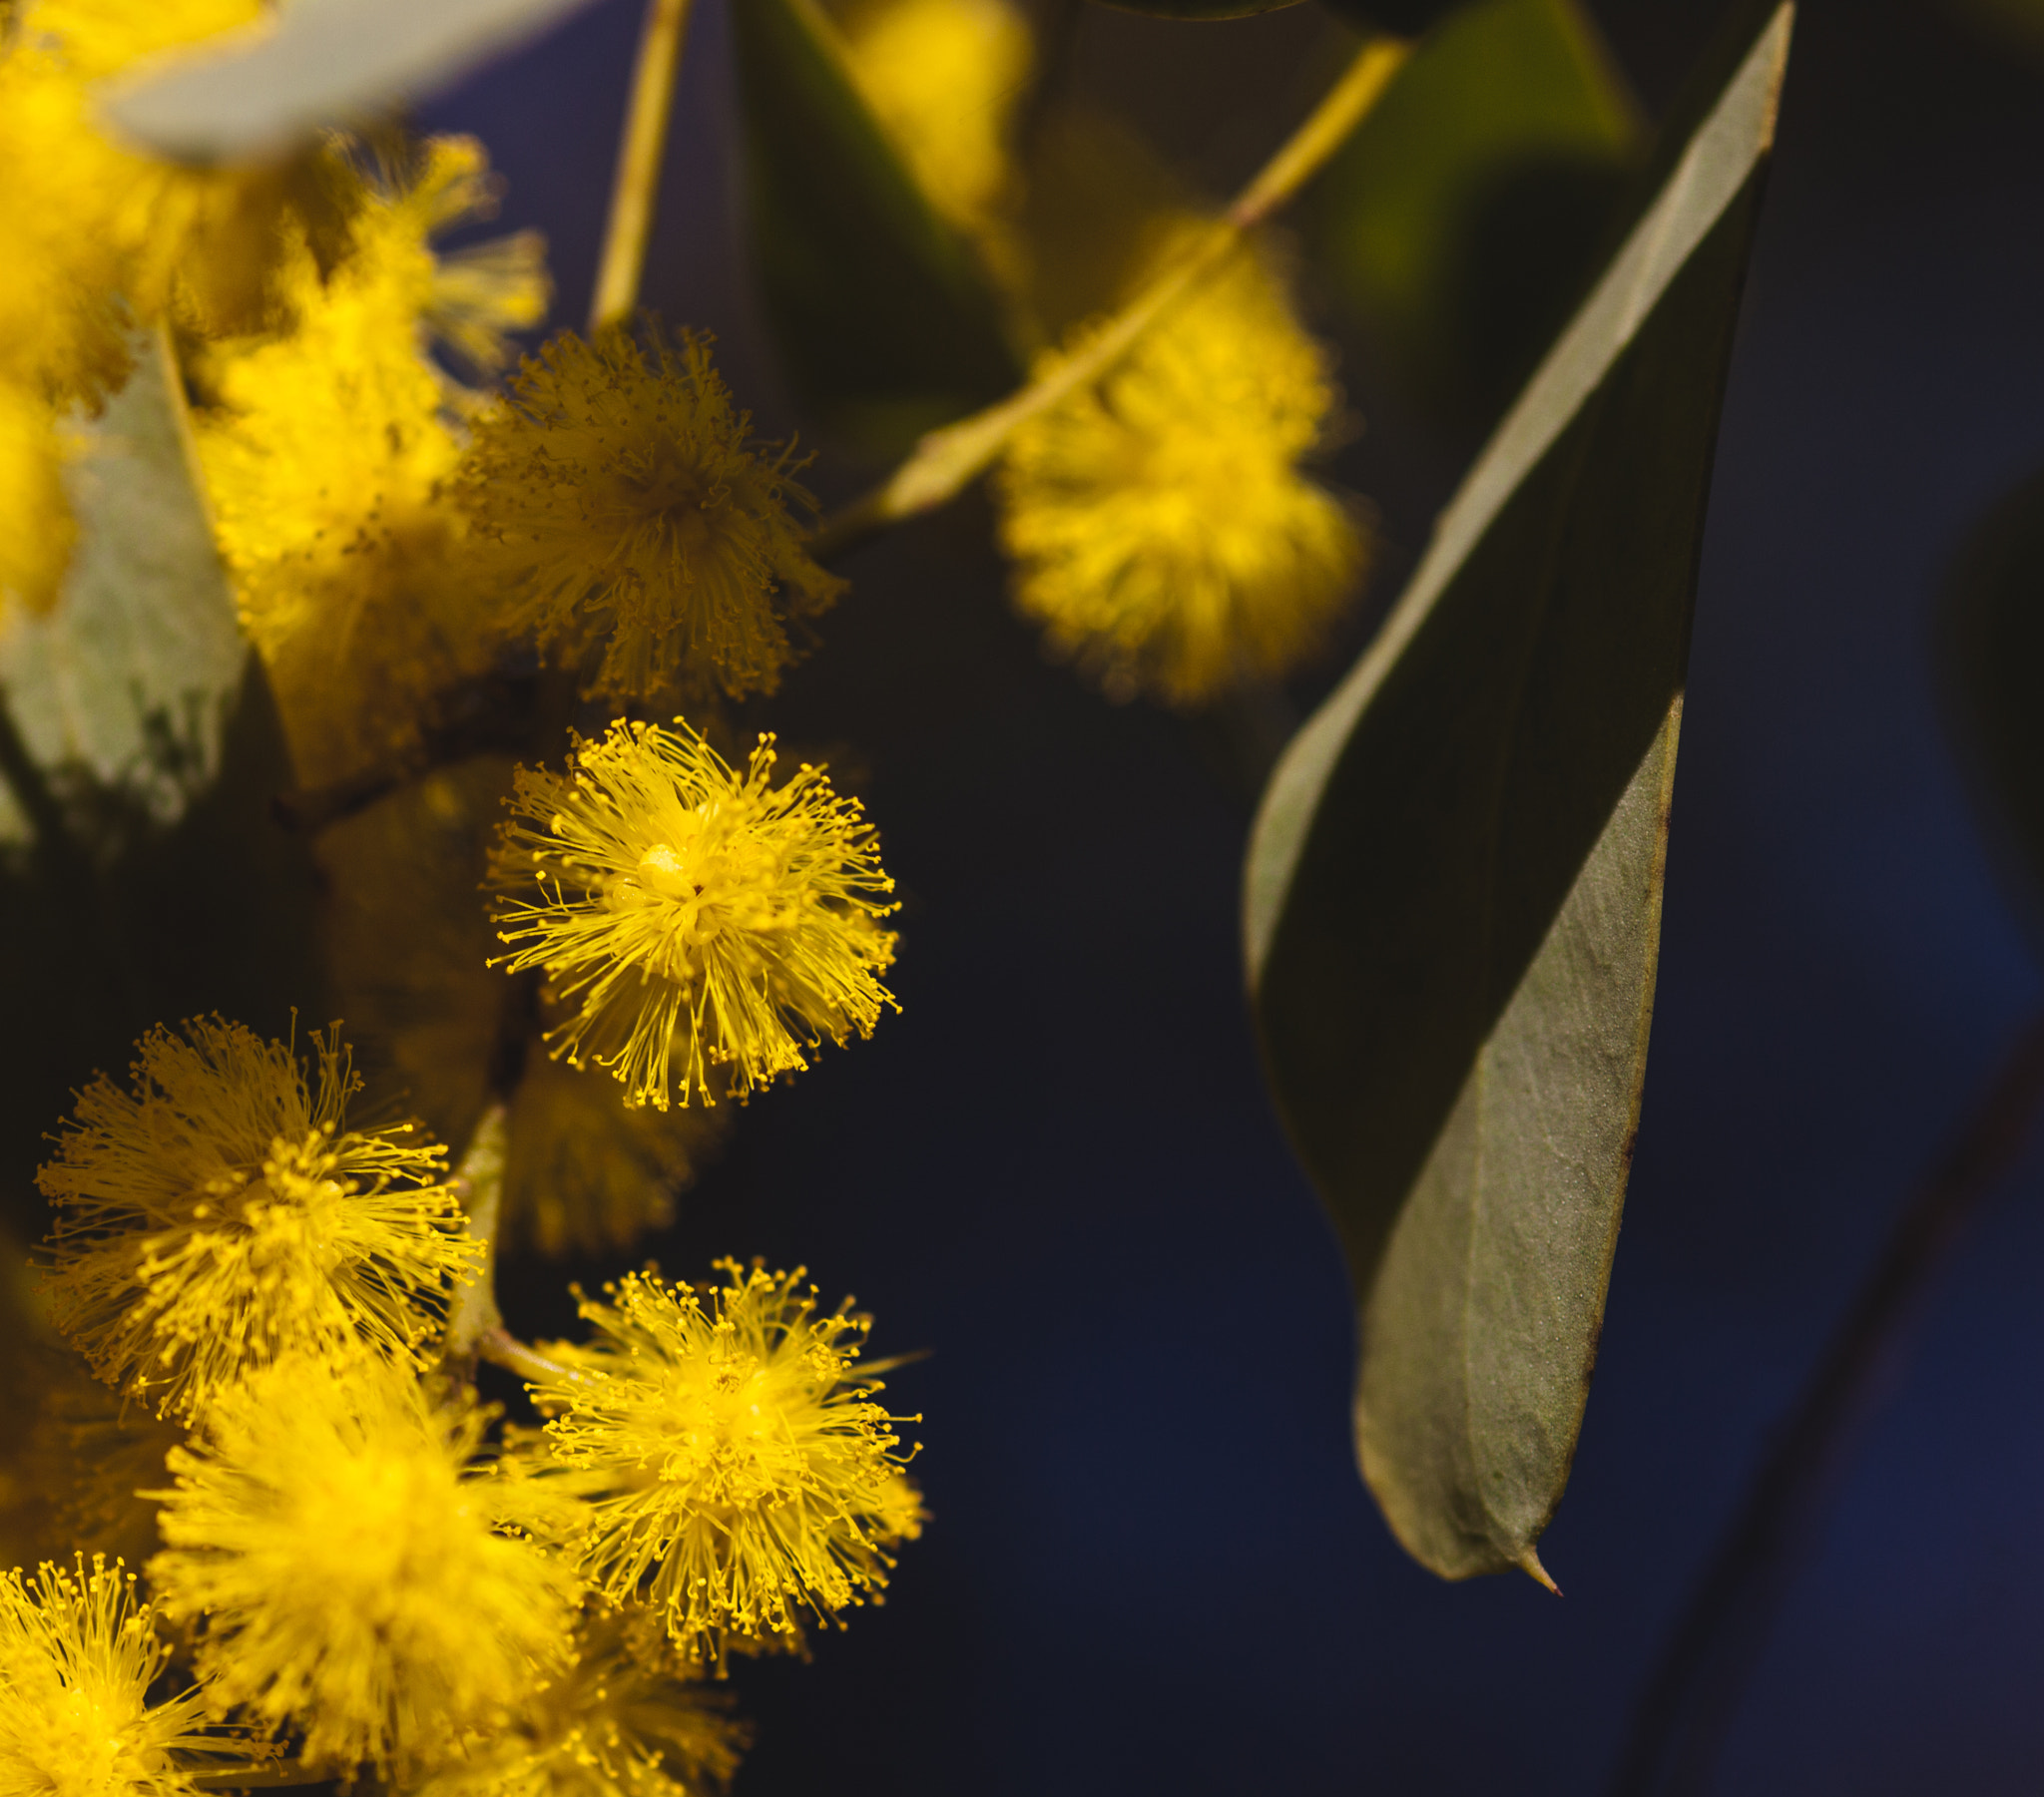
point(948, 460)
point(479, 1183)
point(501, 1348)
point(274, 1776)
point(637, 187)
point(1682, 1720)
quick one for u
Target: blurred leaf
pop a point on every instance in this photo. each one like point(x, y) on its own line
point(887, 324)
point(317, 63)
point(126, 684)
point(1991, 651)
point(141, 878)
point(1462, 221)
point(1452, 899)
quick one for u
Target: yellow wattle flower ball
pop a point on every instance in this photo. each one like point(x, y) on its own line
point(324, 455)
point(97, 238)
point(737, 1474)
point(628, 505)
point(97, 241)
point(1163, 532)
point(78, 1654)
point(623, 1722)
point(217, 1216)
point(707, 925)
point(944, 77)
point(341, 1548)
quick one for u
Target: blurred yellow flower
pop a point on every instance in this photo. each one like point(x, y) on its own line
point(93, 238)
point(78, 1654)
point(74, 1459)
point(324, 454)
point(1163, 531)
point(623, 1722)
point(706, 926)
point(738, 1472)
point(582, 1175)
point(944, 77)
point(98, 243)
point(217, 1216)
point(628, 505)
point(339, 1546)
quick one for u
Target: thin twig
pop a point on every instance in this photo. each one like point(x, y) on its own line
point(264, 1778)
point(643, 143)
point(948, 460)
point(1682, 1720)
point(501, 1348)
point(500, 715)
point(479, 1181)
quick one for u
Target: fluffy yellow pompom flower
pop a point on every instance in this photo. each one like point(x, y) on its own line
point(78, 1655)
point(1163, 533)
point(340, 1549)
point(94, 238)
point(629, 506)
point(737, 1472)
point(96, 241)
point(944, 76)
point(622, 1723)
point(707, 925)
point(217, 1216)
point(324, 455)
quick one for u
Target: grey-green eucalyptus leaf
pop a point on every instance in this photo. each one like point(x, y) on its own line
point(126, 683)
point(142, 876)
point(1452, 896)
point(317, 63)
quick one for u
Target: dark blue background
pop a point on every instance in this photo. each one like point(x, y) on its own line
point(1153, 1566)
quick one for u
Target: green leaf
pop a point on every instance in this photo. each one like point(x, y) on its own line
point(142, 877)
point(886, 322)
point(1463, 221)
point(318, 62)
point(1990, 641)
point(1452, 896)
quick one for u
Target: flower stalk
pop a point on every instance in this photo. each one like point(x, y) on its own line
point(479, 1183)
point(637, 187)
point(948, 460)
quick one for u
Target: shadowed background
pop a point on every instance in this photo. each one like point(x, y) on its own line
point(1153, 1566)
